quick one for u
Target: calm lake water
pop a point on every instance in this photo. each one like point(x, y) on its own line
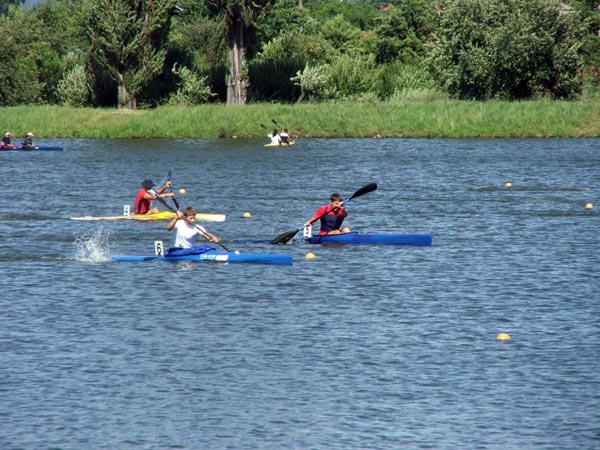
point(359, 348)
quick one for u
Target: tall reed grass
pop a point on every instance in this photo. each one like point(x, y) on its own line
point(396, 118)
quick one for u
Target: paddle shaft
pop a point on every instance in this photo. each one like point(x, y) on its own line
point(162, 200)
point(175, 202)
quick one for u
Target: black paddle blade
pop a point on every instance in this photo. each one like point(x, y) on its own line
point(364, 190)
point(275, 123)
point(262, 125)
point(284, 238)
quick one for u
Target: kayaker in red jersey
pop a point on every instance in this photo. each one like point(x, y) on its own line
point(332, 216)
point(6, 141)
point(144, 198)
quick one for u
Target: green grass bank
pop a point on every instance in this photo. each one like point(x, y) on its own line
point(441, 118)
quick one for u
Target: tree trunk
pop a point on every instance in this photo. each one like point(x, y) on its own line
point(237, 86)
point(126, 101)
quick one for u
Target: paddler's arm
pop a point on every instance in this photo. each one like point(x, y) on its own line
point(172, 222)
point(310, 221)
point(153, 193)
point(160, 190)
point(211, 237)
point(319, 214)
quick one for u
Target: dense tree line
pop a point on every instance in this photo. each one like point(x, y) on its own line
point(132, 53)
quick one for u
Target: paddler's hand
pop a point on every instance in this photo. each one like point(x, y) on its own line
point(168, 184)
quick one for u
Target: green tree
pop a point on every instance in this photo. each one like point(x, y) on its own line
point(26, 77)
point(240, 18)
point(5, 4)
point(128, 37)
point(508, 49)
point(360, 13)
point(402, 31)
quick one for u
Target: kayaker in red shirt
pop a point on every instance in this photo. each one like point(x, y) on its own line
point(6, 141)
point(144, 198)
point(332, 216)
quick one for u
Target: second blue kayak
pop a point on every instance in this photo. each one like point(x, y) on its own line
point(356, 238)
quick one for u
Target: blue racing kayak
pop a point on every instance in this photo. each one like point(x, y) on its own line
point(356, 238)
point(215, 256)
point(34, 148)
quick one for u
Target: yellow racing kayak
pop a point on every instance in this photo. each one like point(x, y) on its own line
point(280, 145)
point(163, 215)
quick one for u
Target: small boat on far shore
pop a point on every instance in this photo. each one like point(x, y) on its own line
point(34, 148)
point(282, 144)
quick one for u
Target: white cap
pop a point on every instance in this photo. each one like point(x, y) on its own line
point(7, 133)
point(30, 134)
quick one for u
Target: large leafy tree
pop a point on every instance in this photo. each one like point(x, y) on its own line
point(402, 31)
point(240, 18)
point(128, 37)
point(4, 5)
point(508, 49)
point(33, 65)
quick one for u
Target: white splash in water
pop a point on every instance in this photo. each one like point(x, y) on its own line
point(93, 248)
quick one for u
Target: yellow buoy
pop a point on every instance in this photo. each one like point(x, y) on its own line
point(310, 255)
point(508, 184)
point(589, 205)
point(503, 337)
point(182, 191)
point(247, 215)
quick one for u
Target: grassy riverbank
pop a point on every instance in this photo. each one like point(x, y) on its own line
point(442, 118)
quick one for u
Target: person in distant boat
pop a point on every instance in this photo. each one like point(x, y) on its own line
point(332, 216)
point(144, 197)
point(27, 141)
point(275, 138)
point(285, 137)
point(187, 230)
point(6, 141)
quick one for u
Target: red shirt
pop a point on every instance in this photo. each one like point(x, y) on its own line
point(332, 220)
point(142, 205)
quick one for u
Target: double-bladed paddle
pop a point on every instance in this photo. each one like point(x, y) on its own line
point(175, 202)
point(162, 200)
point(294, 138)
point(285, 237)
